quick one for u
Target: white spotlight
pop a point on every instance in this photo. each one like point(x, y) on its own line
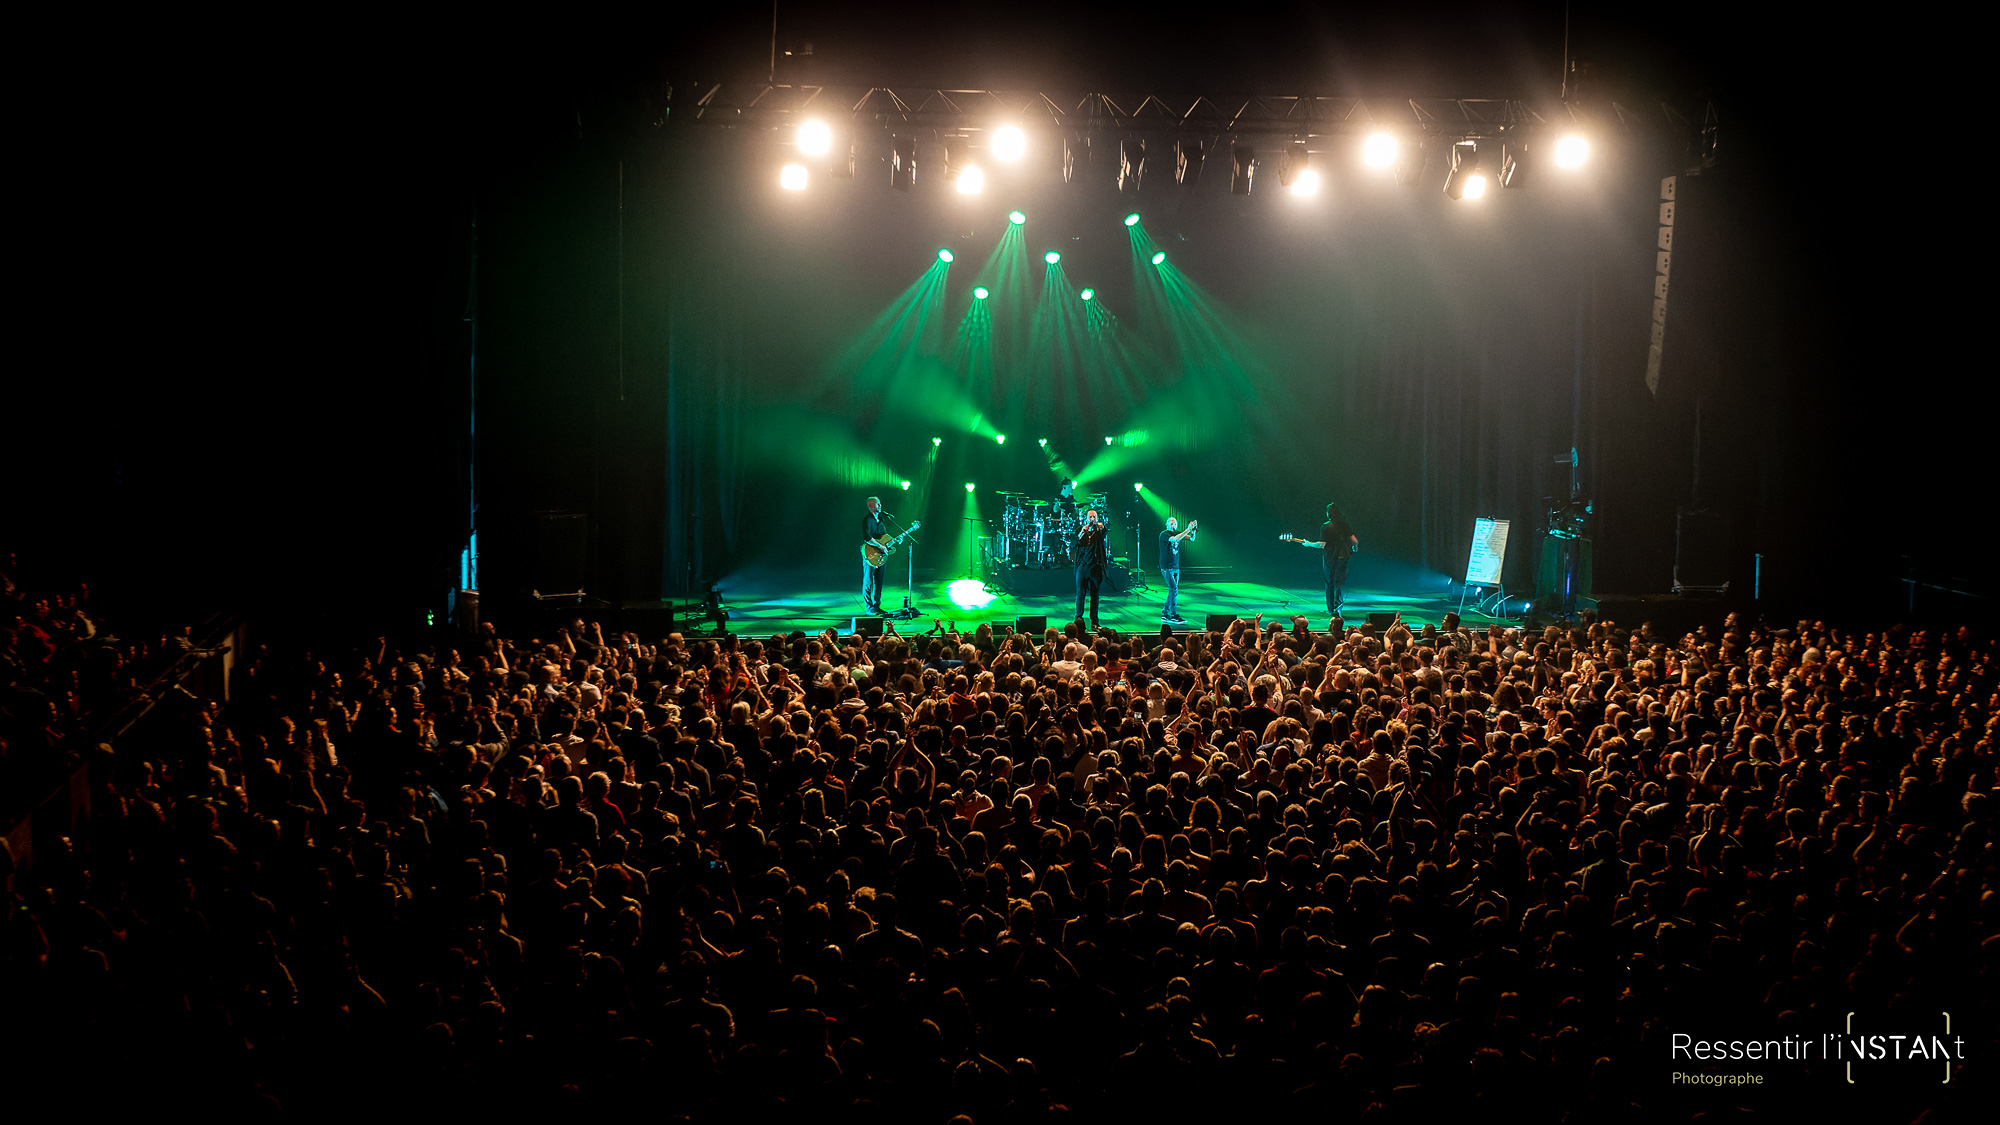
point(1475, 186)
point(971, 181)
point(793, 177)
point(815, 138)
point(1306, 183)
point(1009, 143)
point(1572, 151)
point(1379, 150)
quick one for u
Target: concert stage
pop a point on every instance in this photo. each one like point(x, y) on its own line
point(762, 606)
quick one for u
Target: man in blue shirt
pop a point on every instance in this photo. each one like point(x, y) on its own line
point(1170, 567)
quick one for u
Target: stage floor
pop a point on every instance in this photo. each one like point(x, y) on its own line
point(769, 605)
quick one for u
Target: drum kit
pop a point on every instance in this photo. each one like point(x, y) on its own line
point(1041, 535)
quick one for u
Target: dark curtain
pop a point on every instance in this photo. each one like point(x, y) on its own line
point(1417, 369)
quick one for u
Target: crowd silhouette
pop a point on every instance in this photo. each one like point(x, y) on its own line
point(1004, 878)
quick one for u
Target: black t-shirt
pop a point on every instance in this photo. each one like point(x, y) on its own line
point(1335, 535)
point(1170, 550)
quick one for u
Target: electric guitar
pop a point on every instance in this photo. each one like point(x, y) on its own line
point(1353, 549)
point(875, 551)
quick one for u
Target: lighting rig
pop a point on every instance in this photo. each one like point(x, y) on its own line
point(970, 140)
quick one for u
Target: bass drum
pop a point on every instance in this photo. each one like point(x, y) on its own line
point(1061, 539)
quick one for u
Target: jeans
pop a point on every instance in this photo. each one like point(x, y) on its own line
point(871, 587)
point(1173, 578)
point(1336, 577)
point(1088, 582)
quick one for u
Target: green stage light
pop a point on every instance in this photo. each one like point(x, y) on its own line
point(1000, 439)
point(979, 293)
point(969, 593)
point(906, 485)
point(1137, 487)
point(936, 441)
point(1052, 257)
point(1045, 443)
point(944, 255)
point(1107, 439)
point(1159, 257)
point(969, 486)
point(1016, 217)
point(1132, 220)
point(1088, 294)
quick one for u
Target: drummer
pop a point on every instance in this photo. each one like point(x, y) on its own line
point(1066, 498)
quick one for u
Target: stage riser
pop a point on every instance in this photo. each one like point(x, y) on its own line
point(1025, 583)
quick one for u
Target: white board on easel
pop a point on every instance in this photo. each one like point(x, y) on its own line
point(1489, 552)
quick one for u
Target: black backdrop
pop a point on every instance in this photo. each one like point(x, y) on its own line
point(1421, 362)
point(253, 295)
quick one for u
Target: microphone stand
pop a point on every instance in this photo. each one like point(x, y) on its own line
point(971, 543)
point(909, 609)
point(1137, 581)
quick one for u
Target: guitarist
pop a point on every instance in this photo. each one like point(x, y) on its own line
point(871, 576)
point(1338, 542)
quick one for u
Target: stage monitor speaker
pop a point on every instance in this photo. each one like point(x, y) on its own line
point(1032, 625)
point(1220, 622)
point(1380, 622)
point(868, 626)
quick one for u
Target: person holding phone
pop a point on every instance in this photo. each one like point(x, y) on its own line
point(1170, 566)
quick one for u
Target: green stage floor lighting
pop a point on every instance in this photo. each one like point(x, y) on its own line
point(944, 255)
point(979, 293)
point(1052, 257)
point(969, 593)
point(1159, 257)
point(1017, 217)
point(1088, 294)
point(1132, 220)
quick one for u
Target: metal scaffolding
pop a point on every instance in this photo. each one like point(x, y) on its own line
point(972, 114)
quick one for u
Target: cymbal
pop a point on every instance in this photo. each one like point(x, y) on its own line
point(1010, 494)
point(1038, 503)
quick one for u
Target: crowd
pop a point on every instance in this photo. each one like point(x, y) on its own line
point(1004, 878)
point(60, 670)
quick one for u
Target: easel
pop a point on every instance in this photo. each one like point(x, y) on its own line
point(1483, 565)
